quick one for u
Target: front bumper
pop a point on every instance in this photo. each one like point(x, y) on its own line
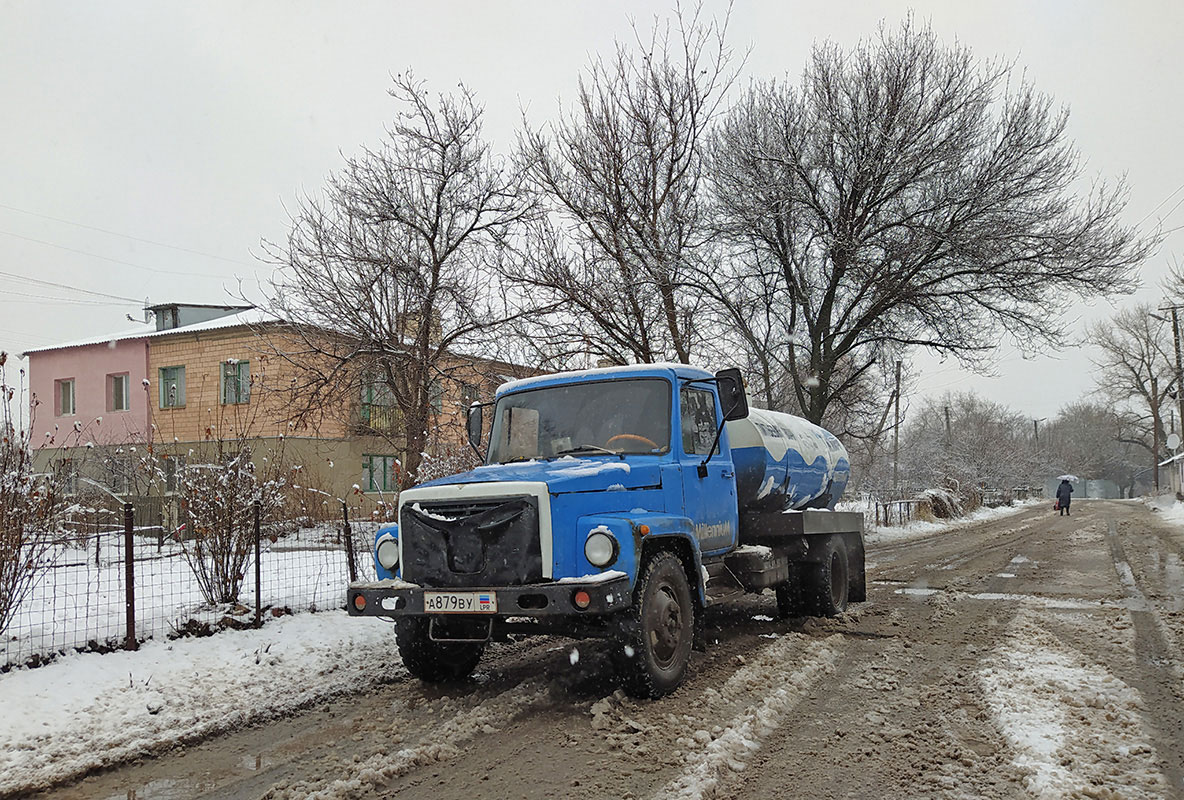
point(396, 598)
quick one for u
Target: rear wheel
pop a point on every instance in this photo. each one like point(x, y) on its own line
point(654, 649)
point(828, 580)
point(431, 661)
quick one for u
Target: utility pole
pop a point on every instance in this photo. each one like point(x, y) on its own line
point(896, 436)
point(1036, 431)
point(1155, 432)
point(1179, 369)
point(948, 437)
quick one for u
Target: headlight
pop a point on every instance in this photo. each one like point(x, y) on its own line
point(600, 548)
point(388, 554)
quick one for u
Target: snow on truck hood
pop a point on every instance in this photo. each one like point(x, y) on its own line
point(563, 475)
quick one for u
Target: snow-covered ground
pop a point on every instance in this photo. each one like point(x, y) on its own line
point(90, 710)
point(916, 528)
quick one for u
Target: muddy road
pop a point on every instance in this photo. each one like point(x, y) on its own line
point(1034, 655)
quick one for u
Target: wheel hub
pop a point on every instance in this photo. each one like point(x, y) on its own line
point(665, 626)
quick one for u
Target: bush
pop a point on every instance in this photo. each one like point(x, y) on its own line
point(33, 508)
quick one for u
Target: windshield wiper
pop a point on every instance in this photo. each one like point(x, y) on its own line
point(588, 448)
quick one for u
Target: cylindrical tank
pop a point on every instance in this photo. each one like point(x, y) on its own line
point(785, 462)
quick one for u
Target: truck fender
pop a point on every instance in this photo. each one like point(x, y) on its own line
point(650, 532)
point(686, 546)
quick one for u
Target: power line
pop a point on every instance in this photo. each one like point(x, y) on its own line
point(1160, 204)
point(124, 235)
point(67, 300)
point(65, 286)
point(104, 258)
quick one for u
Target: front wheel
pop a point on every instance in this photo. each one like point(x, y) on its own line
point(431, 661)
point(655, 648)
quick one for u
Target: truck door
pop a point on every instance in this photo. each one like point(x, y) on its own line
point(710, 502)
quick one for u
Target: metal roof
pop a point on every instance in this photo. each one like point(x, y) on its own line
point(252, 316)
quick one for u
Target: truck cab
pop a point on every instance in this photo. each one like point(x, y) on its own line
point(609, 506)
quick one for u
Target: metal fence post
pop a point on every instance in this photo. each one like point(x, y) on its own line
point(129, 574)
point(349, 545)
point(258, 572)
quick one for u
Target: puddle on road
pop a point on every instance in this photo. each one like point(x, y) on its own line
point(165, 789)
point(1070, 603)
point(181, 789)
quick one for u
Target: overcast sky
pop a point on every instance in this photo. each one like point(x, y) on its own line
point(147, 147)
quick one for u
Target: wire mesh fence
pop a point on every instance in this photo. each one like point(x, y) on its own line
point(81, 600)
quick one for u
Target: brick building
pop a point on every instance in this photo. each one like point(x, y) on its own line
point(202, 374)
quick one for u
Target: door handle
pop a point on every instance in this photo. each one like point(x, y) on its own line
point(727, 473)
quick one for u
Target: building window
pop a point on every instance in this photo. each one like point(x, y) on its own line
point(117, 392)
point(172, 387)
point(378, 406)
point(469, 394)
point(379, 473)
point(436, 396)
point(236, 381)
point(64, 397)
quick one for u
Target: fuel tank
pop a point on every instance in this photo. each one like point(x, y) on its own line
point(785, 462)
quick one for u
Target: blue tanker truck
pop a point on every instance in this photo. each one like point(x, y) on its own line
point(616, 503)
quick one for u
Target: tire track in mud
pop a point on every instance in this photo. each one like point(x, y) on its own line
point(713, 758)
point(891, 557)
point(1157, 653)
point(620, 747)
point(438, 744)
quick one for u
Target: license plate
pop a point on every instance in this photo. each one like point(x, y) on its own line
point(460, 602)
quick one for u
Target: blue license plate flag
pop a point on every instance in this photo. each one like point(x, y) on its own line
point(485, 601)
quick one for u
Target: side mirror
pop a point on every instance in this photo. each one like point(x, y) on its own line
point(731, 394)
point(474, 425)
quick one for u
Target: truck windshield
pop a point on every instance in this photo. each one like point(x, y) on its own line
point(606, 417)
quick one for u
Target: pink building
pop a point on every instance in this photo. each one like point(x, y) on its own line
point(93, 390)
point(81, 382)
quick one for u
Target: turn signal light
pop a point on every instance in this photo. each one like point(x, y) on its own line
point(582, 599)
point(643, 529)
point(360, 602)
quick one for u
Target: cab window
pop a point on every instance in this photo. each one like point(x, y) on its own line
point(699, 422)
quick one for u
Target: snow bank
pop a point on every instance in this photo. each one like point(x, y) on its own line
point(90, 710)
point(918, 528)
point(1168, 508)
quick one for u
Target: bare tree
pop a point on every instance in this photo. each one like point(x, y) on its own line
point(984, 444)
point(907, 194)
point(394, 268)
point(1089, 438)
point(622, 175)
point(1134, 368)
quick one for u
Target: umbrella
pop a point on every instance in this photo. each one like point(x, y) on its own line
point(1070, 478)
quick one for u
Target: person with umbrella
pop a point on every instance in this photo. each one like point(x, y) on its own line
point(1064, 494)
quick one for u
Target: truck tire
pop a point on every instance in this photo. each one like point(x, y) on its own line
point(828, 580)
point(654, 648)
point(430, 661)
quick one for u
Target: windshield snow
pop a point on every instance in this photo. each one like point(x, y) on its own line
point(579, 419)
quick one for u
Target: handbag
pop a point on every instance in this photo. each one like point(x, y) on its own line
point(1056, 506)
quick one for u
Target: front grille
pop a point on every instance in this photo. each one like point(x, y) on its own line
point(485, 542)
